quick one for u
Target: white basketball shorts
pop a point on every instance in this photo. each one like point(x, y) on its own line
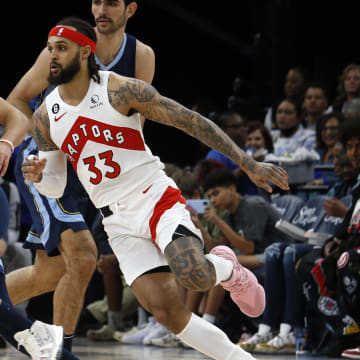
point(142, 226)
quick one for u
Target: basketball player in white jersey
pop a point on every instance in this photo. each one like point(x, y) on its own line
point(92, 119)
point(116, 51)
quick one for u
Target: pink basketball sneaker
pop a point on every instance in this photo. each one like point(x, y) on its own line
point(244, 288)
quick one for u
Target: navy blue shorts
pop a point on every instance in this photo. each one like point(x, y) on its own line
point(50, 217)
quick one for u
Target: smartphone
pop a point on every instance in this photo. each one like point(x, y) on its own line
point(198, 205)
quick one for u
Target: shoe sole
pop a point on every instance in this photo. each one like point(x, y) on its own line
point(351, 356)
point(247, 348)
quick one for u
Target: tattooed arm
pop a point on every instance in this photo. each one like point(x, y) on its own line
point(126, 94)
point(48, 171)
point(41, 130)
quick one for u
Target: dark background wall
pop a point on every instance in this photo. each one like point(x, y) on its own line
point(201, 46)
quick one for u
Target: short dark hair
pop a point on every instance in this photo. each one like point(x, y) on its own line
point(127, 2)
point(318, 85)
point(220, 177)
point(297, 106)
point(350, 128)
point(83, 27)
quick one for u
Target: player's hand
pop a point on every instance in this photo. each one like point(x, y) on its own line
point(32, 168)
point(261, 173)
point(5, 155)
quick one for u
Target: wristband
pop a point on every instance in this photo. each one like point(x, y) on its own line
point(9, 143)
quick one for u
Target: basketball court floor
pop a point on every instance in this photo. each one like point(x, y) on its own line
point(88, 350)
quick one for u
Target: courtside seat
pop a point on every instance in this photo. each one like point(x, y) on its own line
point(288, 206)
point(310, 213)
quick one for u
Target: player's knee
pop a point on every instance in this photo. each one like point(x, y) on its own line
point(198, 281)
point(82, 266)
point(198, 277)
point(189, 265)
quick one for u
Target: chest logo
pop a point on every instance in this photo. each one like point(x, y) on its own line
point(59, 117)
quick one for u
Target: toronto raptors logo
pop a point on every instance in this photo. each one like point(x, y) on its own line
point(86, 129)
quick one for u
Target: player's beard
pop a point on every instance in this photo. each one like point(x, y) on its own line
point(66, 74)
point(114, 26)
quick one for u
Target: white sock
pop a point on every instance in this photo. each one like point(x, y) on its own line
point(210, 318)
point(264, 329)
point(142, 317)
point(284, 329)
point(223, 267)
point(211, 341)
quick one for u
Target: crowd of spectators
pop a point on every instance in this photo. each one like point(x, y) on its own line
point(312, 281)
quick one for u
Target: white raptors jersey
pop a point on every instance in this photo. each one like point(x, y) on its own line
point(106, 148)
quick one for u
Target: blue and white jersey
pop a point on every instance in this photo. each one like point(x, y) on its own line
point(124, 61)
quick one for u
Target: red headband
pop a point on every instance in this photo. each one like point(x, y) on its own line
point(72, 35)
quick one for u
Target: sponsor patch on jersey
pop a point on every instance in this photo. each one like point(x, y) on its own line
point(55, 108)
point(95, 101)
point(328, 306)
point(343, 260)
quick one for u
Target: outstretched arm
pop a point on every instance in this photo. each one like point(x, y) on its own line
point(126, 93)
point(48, 172)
